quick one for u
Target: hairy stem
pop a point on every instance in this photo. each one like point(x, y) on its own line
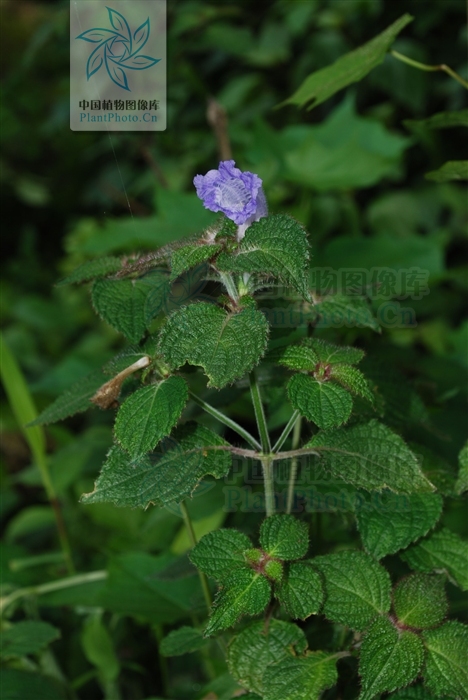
point(259, 414)
point(293, 472)
point(284, 435)
point(193, 541)
point(425, 67)
point(267, 464)
point(226, 279)
point(227, 421)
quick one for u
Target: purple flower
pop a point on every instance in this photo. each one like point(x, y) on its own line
point(238, 195)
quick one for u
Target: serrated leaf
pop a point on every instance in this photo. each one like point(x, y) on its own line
point(226, 345)
point(149, 414)
point(76, 399)
point(350, 68)
point(26, 637)
point(275, 245)
point(218, 553)
point(442, 551)
point(419, 601)
point(91, 270)
point(413, 692)
point(189, 256)
point(343, 311)
point(129, 355)
point(385, 530)
point(357, 588)
point(298, 357)
point(182, 641)
point(324, 403)
point(441, 120)
point(370, 456)
point(259, 646)
point(169, 474)
point(300, 592)
point(462, 481)
point(452, 170)
point(300, 678)
point(244, 592)
point(389, 659)
point(446, 670)
point(353, 380)
point(284, 537)
point(328, 353)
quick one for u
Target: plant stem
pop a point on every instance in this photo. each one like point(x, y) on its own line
point(226, 279)
point(52, 586)
point(267, 464)
point(226, 421)
point(259, 414)
point(293, 473)
point(425, 67)
point(193, 541)
point(283, 437)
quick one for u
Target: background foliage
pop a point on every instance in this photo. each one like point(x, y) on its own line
point(351, 170)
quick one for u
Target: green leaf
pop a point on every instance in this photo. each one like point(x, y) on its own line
point(389, 659)
point(353, 380)
point(462, 481)
point(298, 357)
point(76, 399)
point(244, 592)
point(149, 414)
point(452, 170)
point(218, 553)
point(25, 685)
point(328, 353)
point(339, 310)
point(300, 678)
point(443, 551)
point(189, 256)
point(182, 641)
point(370, 456)
point(324, 403)
point(169, 474)
point(413, 692)
point(91, 270)
point(300, 592)
point(385, 530)
point(26, 637)
point(419, 601)
point(258, 646)
point(441, 120)
point(226, 345)
point(99, 649)
point(350, 68)
point(357, 588)
point(275, 245)
point(446, 670)
point(284, 537)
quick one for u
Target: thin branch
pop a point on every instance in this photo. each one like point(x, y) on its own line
point(282, 438)
point(227, 421)
point(423, 66)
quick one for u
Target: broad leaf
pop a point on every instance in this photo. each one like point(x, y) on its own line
point(324, 403)
point(441, 120)
point(169, 474)
point(442, 551)
point(218, 553)
point(370, 456)
point(446, 669)
point(284, 537)
point(76, 399)
point(300, 678)
point(462, 481)
point(91, 270)
point(259, 646)
point(387, 529)
point(26, 637)
point(350, 68)
point(226, 345)
point(357, 588)
point(413, 692)
point(189, 256)
point(182, 641)
point(244, 592)
point(452, 170)
point(300, 592)
point(149, 414)
point(339, 310)
point(353, 380)
point(25, 685)
point(328, 353)
point(298, 357)
point(99, 649)
point(419, 601)
point(389, 659)
point(275, 245)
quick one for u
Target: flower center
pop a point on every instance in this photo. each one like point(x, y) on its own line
point(232, 195)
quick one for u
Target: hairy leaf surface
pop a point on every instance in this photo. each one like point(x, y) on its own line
point(446, 670)
point(419, 601)
point(300, 592)
point(244, 592)
point(284, 537)
point(300, 678)
point(324, 403)
point(218, 553)
point(441, 551)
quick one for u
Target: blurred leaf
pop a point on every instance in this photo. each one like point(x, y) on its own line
point(29, 521)
point(442, 120)
point(462, 482)
point(75, 400)
point(98, 648)
point(182, 641)
point(27, 637)
point(24, 685)
point(453, 170)
point(350, 68)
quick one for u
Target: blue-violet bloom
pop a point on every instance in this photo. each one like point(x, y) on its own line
point(238, 195)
